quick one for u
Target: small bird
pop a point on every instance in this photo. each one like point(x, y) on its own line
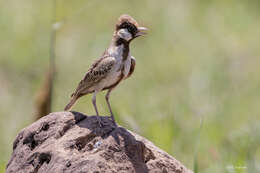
point(112, 67)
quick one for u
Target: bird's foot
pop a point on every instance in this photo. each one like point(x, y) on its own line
point(99, 121)
point(113, 120)
point(102, 123)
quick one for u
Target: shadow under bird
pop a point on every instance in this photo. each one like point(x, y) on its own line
point(112, 67)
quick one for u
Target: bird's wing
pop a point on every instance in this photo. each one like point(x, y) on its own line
point(99, 70)
point(132, 67)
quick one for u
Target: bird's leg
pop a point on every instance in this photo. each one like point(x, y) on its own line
point(95, 106)
point(110, 110)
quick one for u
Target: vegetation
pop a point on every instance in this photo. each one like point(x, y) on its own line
point(195, 90)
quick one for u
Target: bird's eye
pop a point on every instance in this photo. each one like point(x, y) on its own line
point(132, 29)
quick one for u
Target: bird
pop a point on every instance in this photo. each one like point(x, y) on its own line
point(115, 65)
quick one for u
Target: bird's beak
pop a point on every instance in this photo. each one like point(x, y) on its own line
point(141, 31)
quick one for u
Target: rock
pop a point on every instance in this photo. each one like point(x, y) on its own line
point(73, 142)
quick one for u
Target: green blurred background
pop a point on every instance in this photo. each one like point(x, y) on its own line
point(196, 89)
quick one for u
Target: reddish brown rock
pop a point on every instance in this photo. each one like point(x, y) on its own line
point(73, 142)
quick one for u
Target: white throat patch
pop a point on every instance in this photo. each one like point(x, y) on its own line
point(124, 34)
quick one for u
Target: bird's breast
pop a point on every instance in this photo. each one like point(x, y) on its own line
point(127, 66)
point(118, 72)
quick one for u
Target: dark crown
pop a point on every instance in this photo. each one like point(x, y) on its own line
point(127, 22)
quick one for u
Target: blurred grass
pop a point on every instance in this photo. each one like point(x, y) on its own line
point(200, 59)
point(2, 167)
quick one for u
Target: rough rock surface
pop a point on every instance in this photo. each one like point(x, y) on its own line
point(73, 142)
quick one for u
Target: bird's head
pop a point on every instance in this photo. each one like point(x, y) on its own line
point(127, 28)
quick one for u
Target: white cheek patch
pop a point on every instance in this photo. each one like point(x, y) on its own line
point(124, 34)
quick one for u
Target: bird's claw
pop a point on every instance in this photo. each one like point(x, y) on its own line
point(101, 123)
point(113, 120)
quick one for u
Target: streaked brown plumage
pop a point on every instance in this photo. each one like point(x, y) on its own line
point(115, 64)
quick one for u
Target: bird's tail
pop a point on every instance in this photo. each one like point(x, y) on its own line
point(71, 103)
